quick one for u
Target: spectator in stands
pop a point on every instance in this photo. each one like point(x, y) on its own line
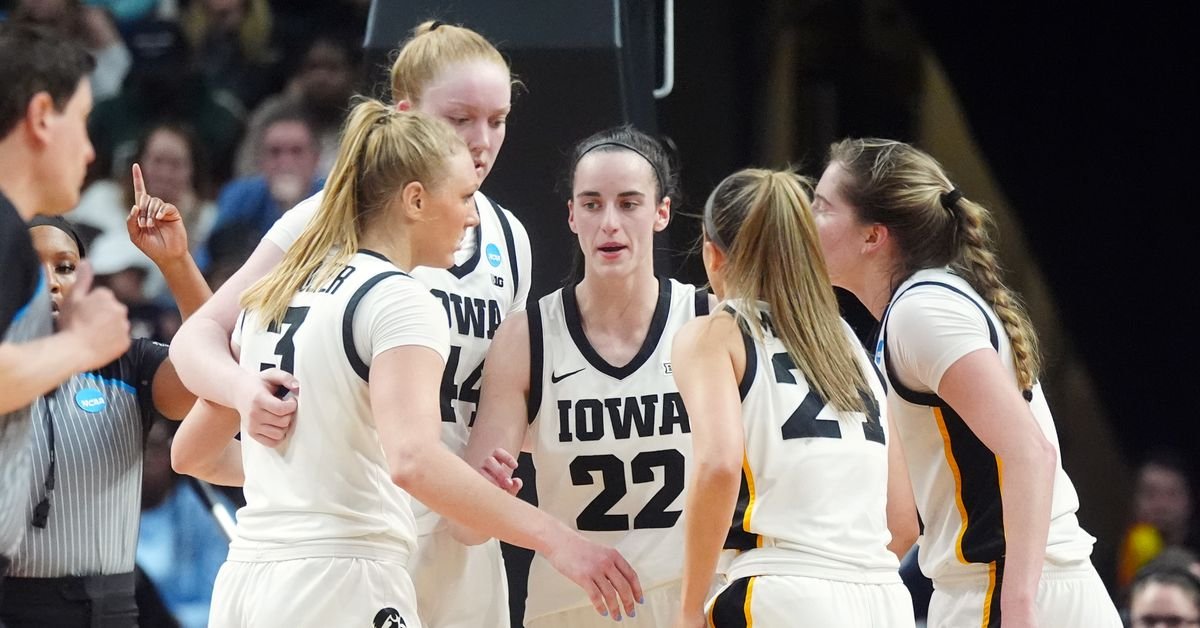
point(287, 165)
point(163, 85)
point(321, 88)
point(1164, 594)
point(231, 41)
point(1162, 513)
point(93, 28)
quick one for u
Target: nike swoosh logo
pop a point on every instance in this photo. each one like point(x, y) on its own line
point(554, 379)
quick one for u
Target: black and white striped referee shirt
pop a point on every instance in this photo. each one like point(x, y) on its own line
point(100, 421)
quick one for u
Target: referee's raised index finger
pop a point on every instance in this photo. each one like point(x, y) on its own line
point(139, 184)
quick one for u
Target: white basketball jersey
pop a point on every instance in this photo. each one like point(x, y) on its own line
point(489, 281)
point(955, 477)
point(610, 444)
point(326, 490)
point(813, 499)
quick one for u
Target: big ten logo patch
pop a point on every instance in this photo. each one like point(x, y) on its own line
point(388, 618)
point(667, 368)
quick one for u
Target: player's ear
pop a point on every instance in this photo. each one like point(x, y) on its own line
point(412, 200)
point(662, 212)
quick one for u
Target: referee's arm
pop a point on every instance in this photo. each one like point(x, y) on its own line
point(31, 369)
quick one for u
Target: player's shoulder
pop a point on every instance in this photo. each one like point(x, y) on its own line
point(508, 220)
point(715, 329)
point(310, 204)
point(932, 297)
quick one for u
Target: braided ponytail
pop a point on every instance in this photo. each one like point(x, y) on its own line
point(906, 190)
point(977, 263)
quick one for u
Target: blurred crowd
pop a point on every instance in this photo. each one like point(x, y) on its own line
point(232, 108)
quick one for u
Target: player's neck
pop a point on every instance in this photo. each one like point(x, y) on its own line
point(394, 246)
point(622, 302)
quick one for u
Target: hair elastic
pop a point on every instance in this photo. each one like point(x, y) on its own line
point(951, 198)
point(436, 24)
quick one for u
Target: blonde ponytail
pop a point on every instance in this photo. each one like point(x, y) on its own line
point(977, 263)
point(382, 151)
point(773, 254)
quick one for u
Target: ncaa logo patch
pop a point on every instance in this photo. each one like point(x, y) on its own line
point(493, 255)
point(388, 618)
point(879, 353)
point(90, 400)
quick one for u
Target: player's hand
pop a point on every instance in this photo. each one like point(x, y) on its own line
point(607, 578)
point(268, 413)
point(97, 319)
point(155, 226)
point(499, 467)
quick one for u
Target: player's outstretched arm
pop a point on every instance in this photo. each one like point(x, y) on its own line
point(703, 355)
point(404, 400)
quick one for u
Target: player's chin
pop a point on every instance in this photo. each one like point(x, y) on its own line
point(447, 260)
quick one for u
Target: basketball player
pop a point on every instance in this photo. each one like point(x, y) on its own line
point(45, 99)
point(324, 524)
point(586, 378)
point(962, 369)
point(455, 74)
point(791, 441)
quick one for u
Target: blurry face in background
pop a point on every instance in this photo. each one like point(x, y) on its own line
point(60, 257)
point(289, 148)
point(1162, 604)
point(167, 166)
point(288, 160)
point(474, 97)
point(1163, 499)
point(225, 14)
point(325, 76)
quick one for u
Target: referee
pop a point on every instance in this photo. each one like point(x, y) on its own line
point(75, 566)
point(44, 152)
